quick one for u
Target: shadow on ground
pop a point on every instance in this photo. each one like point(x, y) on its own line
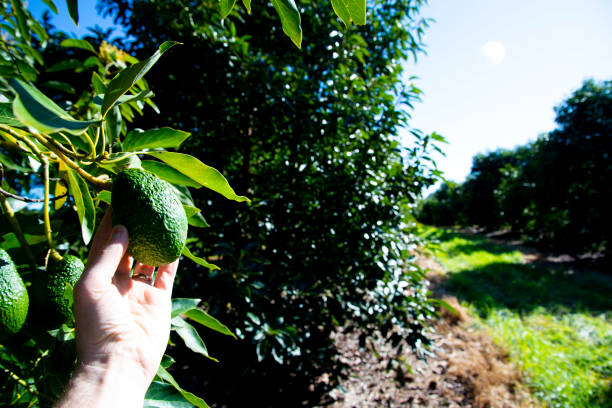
point(522, 287)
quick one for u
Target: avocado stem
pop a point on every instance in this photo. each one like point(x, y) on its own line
point(48, 232)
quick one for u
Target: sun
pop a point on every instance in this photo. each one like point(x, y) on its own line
point(494, 51)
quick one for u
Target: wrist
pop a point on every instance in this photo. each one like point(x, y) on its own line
point(109, 382)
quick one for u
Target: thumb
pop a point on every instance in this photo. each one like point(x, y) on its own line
point(102, 265)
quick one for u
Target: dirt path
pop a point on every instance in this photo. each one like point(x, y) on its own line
point(468, 370)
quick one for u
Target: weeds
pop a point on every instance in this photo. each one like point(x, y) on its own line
point(555, 322)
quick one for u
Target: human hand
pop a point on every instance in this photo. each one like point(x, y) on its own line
point(122, 322)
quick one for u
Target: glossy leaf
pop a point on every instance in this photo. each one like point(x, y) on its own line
point(35, 109)
point(120, 161)
point(247, 5)
point(97, 84)
point(129, 76)
point(357, 8)
point(98, 99)
point(198, 260)
point(290, 20)
point(181, 305)
point(201, 173)
point(167, 377)
point(207, 320)
point(226, 7)
point(7, 117)
point(76, 43)
point(22, 24)
point(51, 5)
point(59, 86)
point(60, 188)
point(104, 196)
point(84, 204)
point(195, 217)
point(162, 395)
point(170, 174)
point(154, 139)
point(341, 9)
point(190, 336)
point(73, 10)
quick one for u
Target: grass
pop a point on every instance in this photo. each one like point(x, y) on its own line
point(555, 323)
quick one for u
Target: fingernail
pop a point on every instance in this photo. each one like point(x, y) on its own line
point(119, 234)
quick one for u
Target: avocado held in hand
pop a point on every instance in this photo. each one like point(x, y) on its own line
point(14, 300)
point(60, 274)
point(153, 215)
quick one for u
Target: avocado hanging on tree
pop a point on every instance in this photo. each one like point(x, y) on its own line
point(14, 300)
point(153, 215)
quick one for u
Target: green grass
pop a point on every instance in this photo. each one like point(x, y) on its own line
point(555, 323)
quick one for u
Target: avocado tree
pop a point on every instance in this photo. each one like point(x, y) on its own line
point(67, 144)
point(313, 138)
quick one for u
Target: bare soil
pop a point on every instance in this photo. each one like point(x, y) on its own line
point(467, 370)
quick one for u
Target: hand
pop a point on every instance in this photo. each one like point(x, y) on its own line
point(122, 323)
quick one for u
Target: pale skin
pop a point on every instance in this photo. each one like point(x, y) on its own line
point(122, 324)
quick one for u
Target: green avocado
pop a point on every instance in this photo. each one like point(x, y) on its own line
point(153, 215)
point(60, 274)
point(14, 300)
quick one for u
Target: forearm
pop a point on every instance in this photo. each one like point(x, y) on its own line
point(115, 384)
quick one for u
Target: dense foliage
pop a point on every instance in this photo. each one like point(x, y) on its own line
point(313, 137)
point(554, 191)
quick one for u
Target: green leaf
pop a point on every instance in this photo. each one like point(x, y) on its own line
point(195, 217)
point(84, 204)
point(130, 75)
point(166, 376)
point(170, 174)
point(207, 320)
point(113, 124)
point(98, 99)
point(7, 117)
point(181, 305)
point(290, 20)
point(247, 5)
point(342, 11)
point(162, 395)
point(198, 260)
point(97, 84)
point(154, 139)
point(73, 10)
point(357, 8)
point(190, 336)
point(65, 65)
point(226, 7)
point(22, 20)
point(201, 173)
point(34, 109)
point(120, 161)
point(59, 86)
point(51, 5)
point(76, 43)
point(105, 196)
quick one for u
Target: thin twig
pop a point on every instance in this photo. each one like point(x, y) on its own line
point(30, 200)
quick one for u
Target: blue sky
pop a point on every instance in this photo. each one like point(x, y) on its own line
point(551, 46)
point(481, 103)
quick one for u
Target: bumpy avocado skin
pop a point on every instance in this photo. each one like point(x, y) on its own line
point(61, 273)
point(153, 215)
point(14, 300)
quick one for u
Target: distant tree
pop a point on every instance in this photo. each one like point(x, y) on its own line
point(554, 191)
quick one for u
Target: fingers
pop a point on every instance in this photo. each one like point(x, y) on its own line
point(165, 276)
point(103, 264)
point(102, 234)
